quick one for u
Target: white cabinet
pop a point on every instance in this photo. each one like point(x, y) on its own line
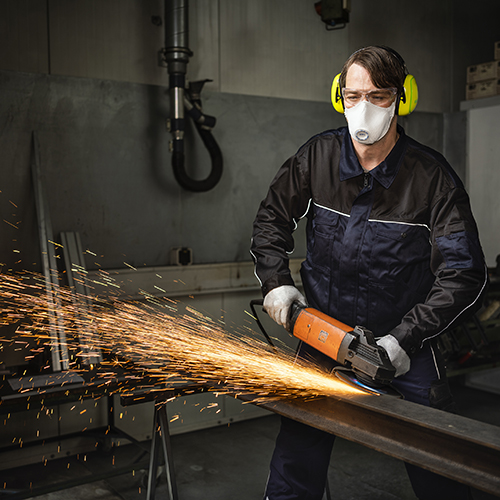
point(483, 170)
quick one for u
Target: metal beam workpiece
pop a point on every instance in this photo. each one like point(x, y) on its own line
point(459, 448)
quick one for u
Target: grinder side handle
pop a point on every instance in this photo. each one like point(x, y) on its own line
point(366, 358)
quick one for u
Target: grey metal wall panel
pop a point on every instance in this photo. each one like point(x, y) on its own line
point(204, 42)
point(422, 33)
point(455, 141)
point(274, 48)
point(116, 40)
point(108, 174)
point(427, 128)
point(23, 36)
point(278, 48)
point(112, 39)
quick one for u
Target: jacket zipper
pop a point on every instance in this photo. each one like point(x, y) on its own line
point(366, 181)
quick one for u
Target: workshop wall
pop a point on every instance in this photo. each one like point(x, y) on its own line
point(104, 155)
point(85, 76)
point(256, 47)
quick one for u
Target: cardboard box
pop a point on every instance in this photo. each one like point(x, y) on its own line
point(483, 72)
point(477, 90)
point(497, 51)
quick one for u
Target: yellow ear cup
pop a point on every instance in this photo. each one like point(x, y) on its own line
point(409, 98)
point(336, 95)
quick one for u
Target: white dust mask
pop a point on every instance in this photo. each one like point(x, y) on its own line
point(367, 122)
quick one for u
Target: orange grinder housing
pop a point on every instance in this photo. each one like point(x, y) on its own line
point(355, 348)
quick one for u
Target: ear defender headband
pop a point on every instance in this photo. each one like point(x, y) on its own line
point(409, 96)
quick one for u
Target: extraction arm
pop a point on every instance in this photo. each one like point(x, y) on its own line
point(186, 98)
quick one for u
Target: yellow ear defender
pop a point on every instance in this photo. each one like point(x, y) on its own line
point(409, 99)
point(407, 103)
point(336, 95)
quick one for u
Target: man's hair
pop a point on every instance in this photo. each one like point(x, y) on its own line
point(384, 65)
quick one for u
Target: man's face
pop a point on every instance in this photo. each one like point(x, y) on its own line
point(369, 111)
point(359, 87)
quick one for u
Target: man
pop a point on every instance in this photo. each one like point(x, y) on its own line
point(391, 245)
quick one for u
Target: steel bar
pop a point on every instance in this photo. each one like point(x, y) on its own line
point(459, 448)
point(76, 275)
point(59, 349)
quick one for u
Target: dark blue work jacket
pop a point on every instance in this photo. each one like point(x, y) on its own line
point(395, 249)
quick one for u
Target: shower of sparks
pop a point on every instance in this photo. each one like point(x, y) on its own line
point(162, 338)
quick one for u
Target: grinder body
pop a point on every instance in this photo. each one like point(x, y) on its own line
point(354, 348)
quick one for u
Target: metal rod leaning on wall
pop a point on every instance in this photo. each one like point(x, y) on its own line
point(459, 448)
point(59, 350)
point(76, 274)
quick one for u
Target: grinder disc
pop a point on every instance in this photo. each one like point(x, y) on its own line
point(349, 377)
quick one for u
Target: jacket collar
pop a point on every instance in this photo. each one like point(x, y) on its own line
point(384, 173)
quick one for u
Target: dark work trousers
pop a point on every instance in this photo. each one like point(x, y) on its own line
point(301, 457)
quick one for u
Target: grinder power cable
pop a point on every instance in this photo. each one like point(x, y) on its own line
point(362, 362)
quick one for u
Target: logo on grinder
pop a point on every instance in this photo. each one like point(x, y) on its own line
point(322, 336)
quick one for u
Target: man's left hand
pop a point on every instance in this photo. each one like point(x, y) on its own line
point(397, 355)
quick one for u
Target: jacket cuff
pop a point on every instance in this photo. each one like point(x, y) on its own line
point(405, 339)
point(276, 281)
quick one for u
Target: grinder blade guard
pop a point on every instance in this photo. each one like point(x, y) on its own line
point(354, 348)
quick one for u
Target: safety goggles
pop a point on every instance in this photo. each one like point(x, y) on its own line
point(379, 97)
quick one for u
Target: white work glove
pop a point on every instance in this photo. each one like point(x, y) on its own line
point(397, 355)
point(278, 301)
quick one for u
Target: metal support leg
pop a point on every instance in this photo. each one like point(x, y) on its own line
point(161, 433)
point(153, 460)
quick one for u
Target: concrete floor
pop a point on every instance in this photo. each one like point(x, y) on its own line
point(228, 463)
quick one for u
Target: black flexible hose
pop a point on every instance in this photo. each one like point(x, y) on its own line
point(260, 302)
point(178, 159)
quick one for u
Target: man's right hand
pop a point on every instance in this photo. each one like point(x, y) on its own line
point(277, 303)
